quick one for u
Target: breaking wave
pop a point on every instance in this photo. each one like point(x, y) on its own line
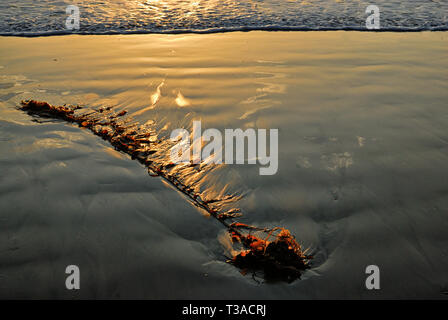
point(48, 17)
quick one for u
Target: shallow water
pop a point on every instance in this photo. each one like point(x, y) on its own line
point(362, 163)
point(38, 17)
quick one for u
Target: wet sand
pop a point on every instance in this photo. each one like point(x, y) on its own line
point(362, 163)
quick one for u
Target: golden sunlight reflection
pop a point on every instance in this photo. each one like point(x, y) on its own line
point(155, 97)
point(181, 101)
point(163, 9)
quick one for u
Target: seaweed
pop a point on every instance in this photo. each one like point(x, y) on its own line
point(281, 259)
point(277, 256)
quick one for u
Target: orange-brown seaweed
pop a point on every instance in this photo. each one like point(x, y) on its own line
point(278, 256)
